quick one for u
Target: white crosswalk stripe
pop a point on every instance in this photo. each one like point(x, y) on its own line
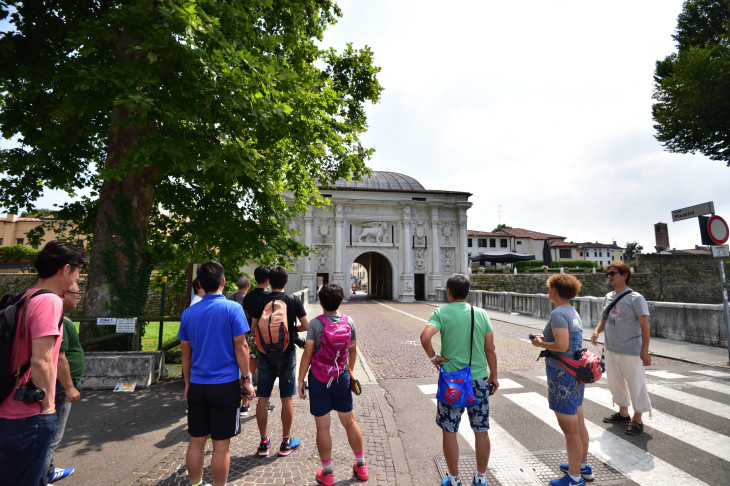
point(712, 386)
point(636, 463)
point(709, 406)
point(700, 437)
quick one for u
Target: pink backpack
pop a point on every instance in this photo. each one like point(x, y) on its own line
point(334, 344)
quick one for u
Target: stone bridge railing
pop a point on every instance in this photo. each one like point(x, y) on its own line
point(694, 323)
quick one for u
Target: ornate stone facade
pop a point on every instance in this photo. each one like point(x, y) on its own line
point(409, 239)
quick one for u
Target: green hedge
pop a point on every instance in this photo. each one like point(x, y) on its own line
point(572, 264)
point(17, 252)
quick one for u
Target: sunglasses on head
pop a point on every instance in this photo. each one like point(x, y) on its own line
point(612, 273)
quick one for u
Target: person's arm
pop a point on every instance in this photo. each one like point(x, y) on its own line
point(42, 366)
point(64, 378)
point(645, 333)
point(426, 335)
point(598, 330)
point(561, 343)
point(352, 357)
point(303, 324)
point(240, 346)
point(304, 363)
point(187, 356)
point(491, 352)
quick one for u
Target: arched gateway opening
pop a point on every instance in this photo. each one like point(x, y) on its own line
point(379, 274)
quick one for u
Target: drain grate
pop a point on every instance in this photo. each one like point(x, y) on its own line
point(537, 468)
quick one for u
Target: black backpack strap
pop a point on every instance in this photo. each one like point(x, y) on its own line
point(471, 336)
point(615, 301)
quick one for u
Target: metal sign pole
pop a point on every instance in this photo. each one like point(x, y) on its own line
point(725, 304)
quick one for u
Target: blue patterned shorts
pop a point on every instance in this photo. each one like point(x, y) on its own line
point(565, 394)
point(448, 417)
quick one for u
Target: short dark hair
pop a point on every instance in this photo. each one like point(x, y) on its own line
point(210, 275)
point(459, 285)
point(261, 274)
point(278, 277)
point(330, 296)
point(243, 282)
point(56, 254)
point(566, 285)
point(621, 268)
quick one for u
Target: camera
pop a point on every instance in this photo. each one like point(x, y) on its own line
point(29, 393)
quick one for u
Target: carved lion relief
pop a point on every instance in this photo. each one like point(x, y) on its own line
point(373, 232)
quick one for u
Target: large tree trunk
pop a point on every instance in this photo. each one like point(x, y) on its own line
point(119, 270)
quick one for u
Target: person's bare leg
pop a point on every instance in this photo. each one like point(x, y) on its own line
point(583, 430)
point(324, 438)
point(483, 448)
point(194, 458)
point(220, 462)
point(573, 442)
point(451, 452)
point(287, 415)
point(262, 415)
point(354, 436)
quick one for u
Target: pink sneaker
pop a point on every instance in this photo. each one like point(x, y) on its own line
point(361, 471)
point(325, 479)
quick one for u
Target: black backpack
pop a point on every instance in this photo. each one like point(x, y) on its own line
point(10, 307)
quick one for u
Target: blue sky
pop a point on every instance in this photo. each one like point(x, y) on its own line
point(540, 109)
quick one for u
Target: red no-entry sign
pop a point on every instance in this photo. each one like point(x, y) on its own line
point(718, 230)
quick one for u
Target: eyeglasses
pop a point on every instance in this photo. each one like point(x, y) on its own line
point(612, 273)
point(76, 293)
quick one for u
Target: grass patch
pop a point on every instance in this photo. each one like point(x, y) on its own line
point(152, 334)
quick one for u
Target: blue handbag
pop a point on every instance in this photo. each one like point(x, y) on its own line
point(455, 387)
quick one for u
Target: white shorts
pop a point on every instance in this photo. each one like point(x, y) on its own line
point(627, 382)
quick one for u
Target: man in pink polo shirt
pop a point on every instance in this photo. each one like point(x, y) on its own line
point(26, 427)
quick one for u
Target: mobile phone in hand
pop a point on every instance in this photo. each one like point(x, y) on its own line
point(492, 389)
point(531, 336)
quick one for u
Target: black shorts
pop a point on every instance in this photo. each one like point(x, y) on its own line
point(214, 410)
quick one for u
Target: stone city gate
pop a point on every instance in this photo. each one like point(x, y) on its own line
point(408, 238)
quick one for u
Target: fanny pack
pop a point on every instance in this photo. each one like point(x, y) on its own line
point(455, 387)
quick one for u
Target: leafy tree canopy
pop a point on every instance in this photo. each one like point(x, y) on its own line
point(184, 122)
point(632, 249)
point(501, 226)
point(692, 85)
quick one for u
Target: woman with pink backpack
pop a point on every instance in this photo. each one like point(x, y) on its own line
point(329, 356)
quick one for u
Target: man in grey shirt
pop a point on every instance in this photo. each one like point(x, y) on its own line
point(627, 348)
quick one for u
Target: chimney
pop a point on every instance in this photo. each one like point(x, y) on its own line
point(661, 234)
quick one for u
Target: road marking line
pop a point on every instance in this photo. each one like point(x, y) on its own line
point(712, 386)
point(640, 466)
point(699, 437)
point(700, 403)
point(406, 313)
point(713, 373)
point(665, 374)
point(507, 384)
point(429, 389)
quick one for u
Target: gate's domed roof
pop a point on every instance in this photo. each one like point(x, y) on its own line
point(383, 181)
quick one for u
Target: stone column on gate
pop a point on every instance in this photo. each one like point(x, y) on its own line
point(339, 276)
point(435, 277)
point(464, 255)
point(406, 291)
point(308, 279)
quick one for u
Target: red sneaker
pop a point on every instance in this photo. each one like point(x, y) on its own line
point(325, 479)
point(361, 471)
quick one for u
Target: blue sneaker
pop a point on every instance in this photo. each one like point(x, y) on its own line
point(566, 481)
point(477, 481)
point(585, 472)
point(289, 445)
point(447, 481)
point(59, 474)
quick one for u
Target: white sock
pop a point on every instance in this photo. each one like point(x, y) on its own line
point(455, 480)
point(574, 477)
point(480, 478)
point(583, 465)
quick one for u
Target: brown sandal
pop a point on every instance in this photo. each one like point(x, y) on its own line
point(635, 428)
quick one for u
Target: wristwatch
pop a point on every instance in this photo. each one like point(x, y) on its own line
point(247, 377)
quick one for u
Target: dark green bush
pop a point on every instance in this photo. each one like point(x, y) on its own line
point(17, 252)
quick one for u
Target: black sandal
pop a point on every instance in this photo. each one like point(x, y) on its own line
point(635, 428)
point(617, 418)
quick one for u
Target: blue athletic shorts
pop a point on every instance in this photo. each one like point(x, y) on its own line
point(323, 400)
point(270, 370)
point(565, 394)
point(448, 417)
